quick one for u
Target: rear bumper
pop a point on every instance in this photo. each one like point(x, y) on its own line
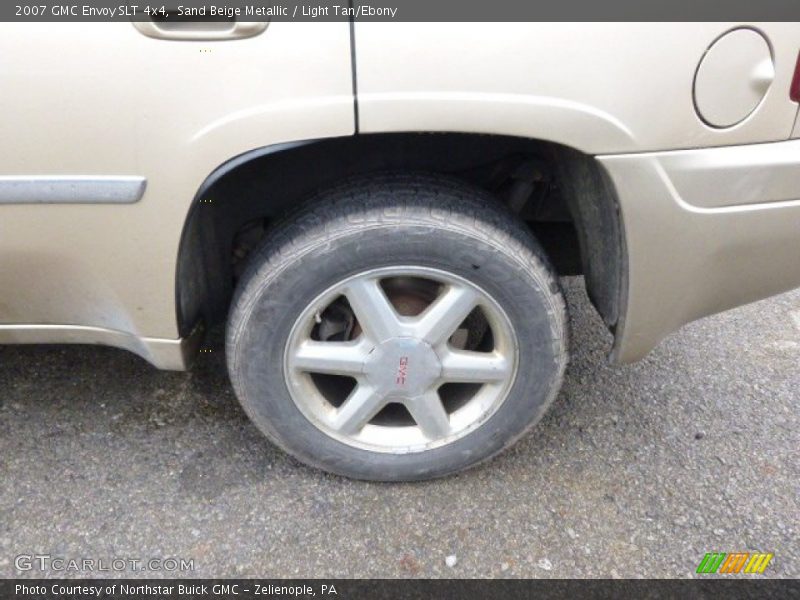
point(705, 230)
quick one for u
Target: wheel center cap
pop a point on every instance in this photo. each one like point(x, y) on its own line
point(405, 367)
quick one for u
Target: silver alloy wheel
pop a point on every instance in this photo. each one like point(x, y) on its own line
point(396, 359)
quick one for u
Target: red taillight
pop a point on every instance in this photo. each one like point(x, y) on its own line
point(794, 91)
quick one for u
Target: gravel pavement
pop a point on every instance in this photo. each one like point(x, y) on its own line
point(636, 471)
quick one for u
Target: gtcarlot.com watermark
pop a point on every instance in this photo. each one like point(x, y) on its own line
point(116, 564)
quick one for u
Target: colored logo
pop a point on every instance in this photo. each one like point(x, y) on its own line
point(736, 562)
point(402, 371)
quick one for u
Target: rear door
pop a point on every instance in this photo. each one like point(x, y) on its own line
point(108, 131)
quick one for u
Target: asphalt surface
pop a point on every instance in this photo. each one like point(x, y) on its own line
point(636, 471)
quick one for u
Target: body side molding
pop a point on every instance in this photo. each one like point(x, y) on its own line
point(71, 189)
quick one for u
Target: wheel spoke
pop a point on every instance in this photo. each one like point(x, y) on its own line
point(372, 308)
point(362, 404)
point(332, 358)
point(429, 413)
point(464, 366)
point(441, 319)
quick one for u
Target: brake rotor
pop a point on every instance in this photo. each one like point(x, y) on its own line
point(410, 297)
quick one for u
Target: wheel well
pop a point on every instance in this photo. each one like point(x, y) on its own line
point(562, 194)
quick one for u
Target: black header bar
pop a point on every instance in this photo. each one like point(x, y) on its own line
point(390, 589)
point(404, 10)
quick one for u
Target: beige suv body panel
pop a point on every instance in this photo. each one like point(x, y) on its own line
point(706, 230)
point(602, 88)
point(102, 99)
point(98, 102)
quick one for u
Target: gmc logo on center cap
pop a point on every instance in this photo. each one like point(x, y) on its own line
point(402, 371)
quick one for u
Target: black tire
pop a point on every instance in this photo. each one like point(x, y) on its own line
point(423, 220)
